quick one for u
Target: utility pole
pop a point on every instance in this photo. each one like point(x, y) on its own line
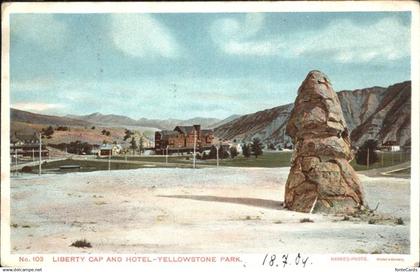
point(109, 160)
point(40, 154)
point(195, 140)
point(217, 156)
point(33, 154)
point(167, 151)
point(367, 159)
point(16, 161)
point(382, 159)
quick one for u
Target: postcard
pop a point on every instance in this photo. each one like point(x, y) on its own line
point(230, 136)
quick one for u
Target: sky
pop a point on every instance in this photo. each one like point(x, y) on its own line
point(197, 64)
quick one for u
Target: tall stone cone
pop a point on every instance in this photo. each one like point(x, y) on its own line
point(321, 178)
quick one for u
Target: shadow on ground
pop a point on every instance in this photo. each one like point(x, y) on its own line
point(256, 202)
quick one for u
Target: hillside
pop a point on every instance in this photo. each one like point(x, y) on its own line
point(391, 120)
point(34, 118)
point(378, 113)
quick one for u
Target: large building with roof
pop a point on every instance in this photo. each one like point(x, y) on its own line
point(182, 138)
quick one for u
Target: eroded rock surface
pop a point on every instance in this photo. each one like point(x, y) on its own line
point(321, 178)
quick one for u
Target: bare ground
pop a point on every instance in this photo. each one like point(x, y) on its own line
point(194, 211)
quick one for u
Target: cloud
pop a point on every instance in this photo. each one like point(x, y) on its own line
point(238, 37)
point(141, 35)
point(36, 107)
point(342, 40)
point(347, 42)
point(42, 30)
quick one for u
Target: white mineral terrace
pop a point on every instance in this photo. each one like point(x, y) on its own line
point(193, 210)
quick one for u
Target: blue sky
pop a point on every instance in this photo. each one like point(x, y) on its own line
point(188, 65)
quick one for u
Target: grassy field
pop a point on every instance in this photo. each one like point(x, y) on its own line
point(268, 160)
point(85, 166)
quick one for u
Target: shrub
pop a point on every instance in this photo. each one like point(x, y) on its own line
point(371, 221)
point(246, 150)
point(81, 243)
point(306, 220)
point(26, 169)
point(271, 146)
point(399, 221)
point(233, 152)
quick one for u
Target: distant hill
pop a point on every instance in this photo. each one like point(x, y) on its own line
point(378, 113)
point(35, 118)
point(120, 120)
point(105, 119)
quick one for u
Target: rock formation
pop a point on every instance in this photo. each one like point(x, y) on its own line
point(321, 178)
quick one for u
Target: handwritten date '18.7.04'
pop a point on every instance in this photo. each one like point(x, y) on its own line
point(283, 260)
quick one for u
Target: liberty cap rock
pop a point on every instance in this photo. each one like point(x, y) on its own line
point(321, 178)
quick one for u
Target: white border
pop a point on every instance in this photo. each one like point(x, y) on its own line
point(214, 7)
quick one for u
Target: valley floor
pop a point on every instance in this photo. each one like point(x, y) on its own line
point(209, 210)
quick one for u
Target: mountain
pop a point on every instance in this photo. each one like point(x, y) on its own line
point(124, 121)
point(105, 119)
point(35, 118)
point(391, 121)
point(226, 120)
point(378, 113)
point(267, 125)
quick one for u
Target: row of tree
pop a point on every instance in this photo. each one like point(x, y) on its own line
point(76, 147)
point(134, 146)
point(254, 148)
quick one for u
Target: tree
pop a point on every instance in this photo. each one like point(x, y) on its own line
point(223, 154)
point(93, 127)
point(133, 144)
point(108, 133)
point(246, 150)
point(362, 154)
point(271, 146)
point(78, 147)
point(103, 132)
point(48, 132)
point(141, 144)
point(233, 152)
point(128, 134)
point(213, 152)
point(256, 147)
